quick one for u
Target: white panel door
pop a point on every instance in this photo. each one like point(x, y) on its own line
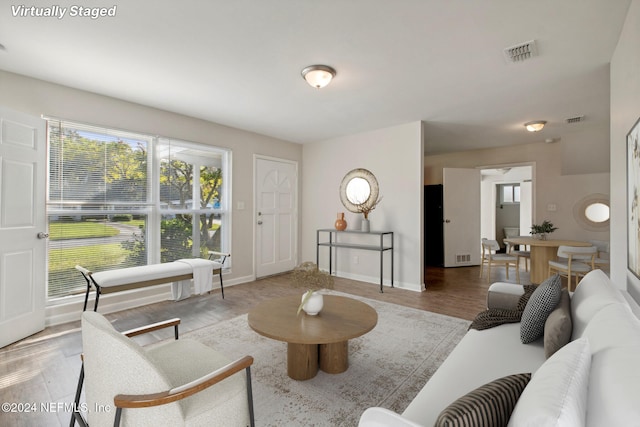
point(22, 217)
point(276, 216)
point(461, 211)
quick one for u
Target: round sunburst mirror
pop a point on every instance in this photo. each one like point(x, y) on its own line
point(359, 187)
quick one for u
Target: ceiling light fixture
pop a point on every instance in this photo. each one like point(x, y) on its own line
point(318, 76)
point(535, 126)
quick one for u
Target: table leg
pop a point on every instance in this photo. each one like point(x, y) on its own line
point(334, 357)
point(302, 361)
point(540, 257)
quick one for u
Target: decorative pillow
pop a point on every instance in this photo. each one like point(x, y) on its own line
point(541, 303)
point(489, 405)
point(558, 327)
point(557, 392)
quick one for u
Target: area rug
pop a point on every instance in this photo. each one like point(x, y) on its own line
point(387, 367)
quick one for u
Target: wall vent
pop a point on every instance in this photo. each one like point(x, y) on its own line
point(521, 52)
point(576, 119)
point(463, 258)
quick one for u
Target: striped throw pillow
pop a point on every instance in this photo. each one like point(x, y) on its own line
point(489, 405)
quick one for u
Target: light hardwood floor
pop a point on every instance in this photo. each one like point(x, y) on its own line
point(44, 367)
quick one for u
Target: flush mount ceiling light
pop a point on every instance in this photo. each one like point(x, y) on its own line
point(318, 76)
point(535, 126)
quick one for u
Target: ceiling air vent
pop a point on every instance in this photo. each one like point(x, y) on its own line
point(576, 119)
point(521, 52)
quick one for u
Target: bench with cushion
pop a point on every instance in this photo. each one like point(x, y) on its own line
point(123, 279)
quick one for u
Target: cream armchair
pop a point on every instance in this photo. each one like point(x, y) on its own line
point(177, 383)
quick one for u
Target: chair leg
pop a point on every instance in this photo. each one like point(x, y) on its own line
point(518, 274)
point(76, 415)
point(506, 267)
point(221, 286)
point(250, 398)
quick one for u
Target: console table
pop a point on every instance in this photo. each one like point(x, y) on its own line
point(385, 244)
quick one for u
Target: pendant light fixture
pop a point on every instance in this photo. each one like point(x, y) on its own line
point(318, 76)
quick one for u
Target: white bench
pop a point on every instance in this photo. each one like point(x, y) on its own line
point(124, 279)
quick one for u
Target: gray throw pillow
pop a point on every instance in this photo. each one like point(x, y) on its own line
point(558, 327)
point(489, 405)
point(541, 303)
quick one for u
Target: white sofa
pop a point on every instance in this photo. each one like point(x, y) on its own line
point(599, 312)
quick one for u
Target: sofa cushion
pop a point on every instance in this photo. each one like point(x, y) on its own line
point(557, 392)
point(594, 292)
point(557, 328)
point(480, 357)
point(541, 303)
point(614, 382)
point(488, 405)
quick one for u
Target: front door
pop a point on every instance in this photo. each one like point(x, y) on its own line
point(22, 218)
point(276, 216)
point(461, 211)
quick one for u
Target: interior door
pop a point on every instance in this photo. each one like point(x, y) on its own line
point(461, 211)
point(22, 218)
point(276, 216)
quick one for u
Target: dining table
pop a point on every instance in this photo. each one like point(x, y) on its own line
point(542, 251)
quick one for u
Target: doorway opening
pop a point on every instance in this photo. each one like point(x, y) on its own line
point(507, 201)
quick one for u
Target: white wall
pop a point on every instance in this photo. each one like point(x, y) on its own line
point(37, 98)
point(394, 155)
point(625, 110)
point(551, 186)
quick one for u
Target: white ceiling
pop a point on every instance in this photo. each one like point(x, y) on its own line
point(238, 63)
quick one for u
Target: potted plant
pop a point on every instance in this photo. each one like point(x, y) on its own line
point(540, 231)
point(309, 277)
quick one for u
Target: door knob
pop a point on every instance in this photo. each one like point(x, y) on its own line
point(259, 222)
point(447, 221)
point(42, 235)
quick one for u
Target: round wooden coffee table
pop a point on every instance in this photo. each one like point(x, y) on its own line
point(314, 342)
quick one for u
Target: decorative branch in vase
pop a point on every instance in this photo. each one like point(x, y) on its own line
point(365, 209)
point(308, 276)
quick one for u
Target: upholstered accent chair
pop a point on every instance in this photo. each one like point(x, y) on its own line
point(573, 261)
point(177, 383)
point(491, 257)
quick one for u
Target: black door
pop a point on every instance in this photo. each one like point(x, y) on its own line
point(433, 226)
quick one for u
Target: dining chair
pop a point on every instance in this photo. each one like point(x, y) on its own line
point(573, 261)
point(602, 256)
point(490, 257)
point(518, 253)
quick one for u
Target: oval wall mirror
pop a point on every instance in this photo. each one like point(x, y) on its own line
point(592, 212)
point(358, 187)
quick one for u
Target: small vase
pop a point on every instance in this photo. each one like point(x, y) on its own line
point(364, 225)
point(314, 303)
point(341, 224)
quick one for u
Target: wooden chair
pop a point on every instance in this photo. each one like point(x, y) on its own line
point(490, 257)
point(602, 256)
point(524, 254)
point(178, 382)
point(573, 261)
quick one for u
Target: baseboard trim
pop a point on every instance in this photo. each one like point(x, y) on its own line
point(376, 280)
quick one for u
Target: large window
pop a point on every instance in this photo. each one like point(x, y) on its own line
point(118, 199)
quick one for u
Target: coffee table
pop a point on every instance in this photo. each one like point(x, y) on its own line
point(314, 342)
